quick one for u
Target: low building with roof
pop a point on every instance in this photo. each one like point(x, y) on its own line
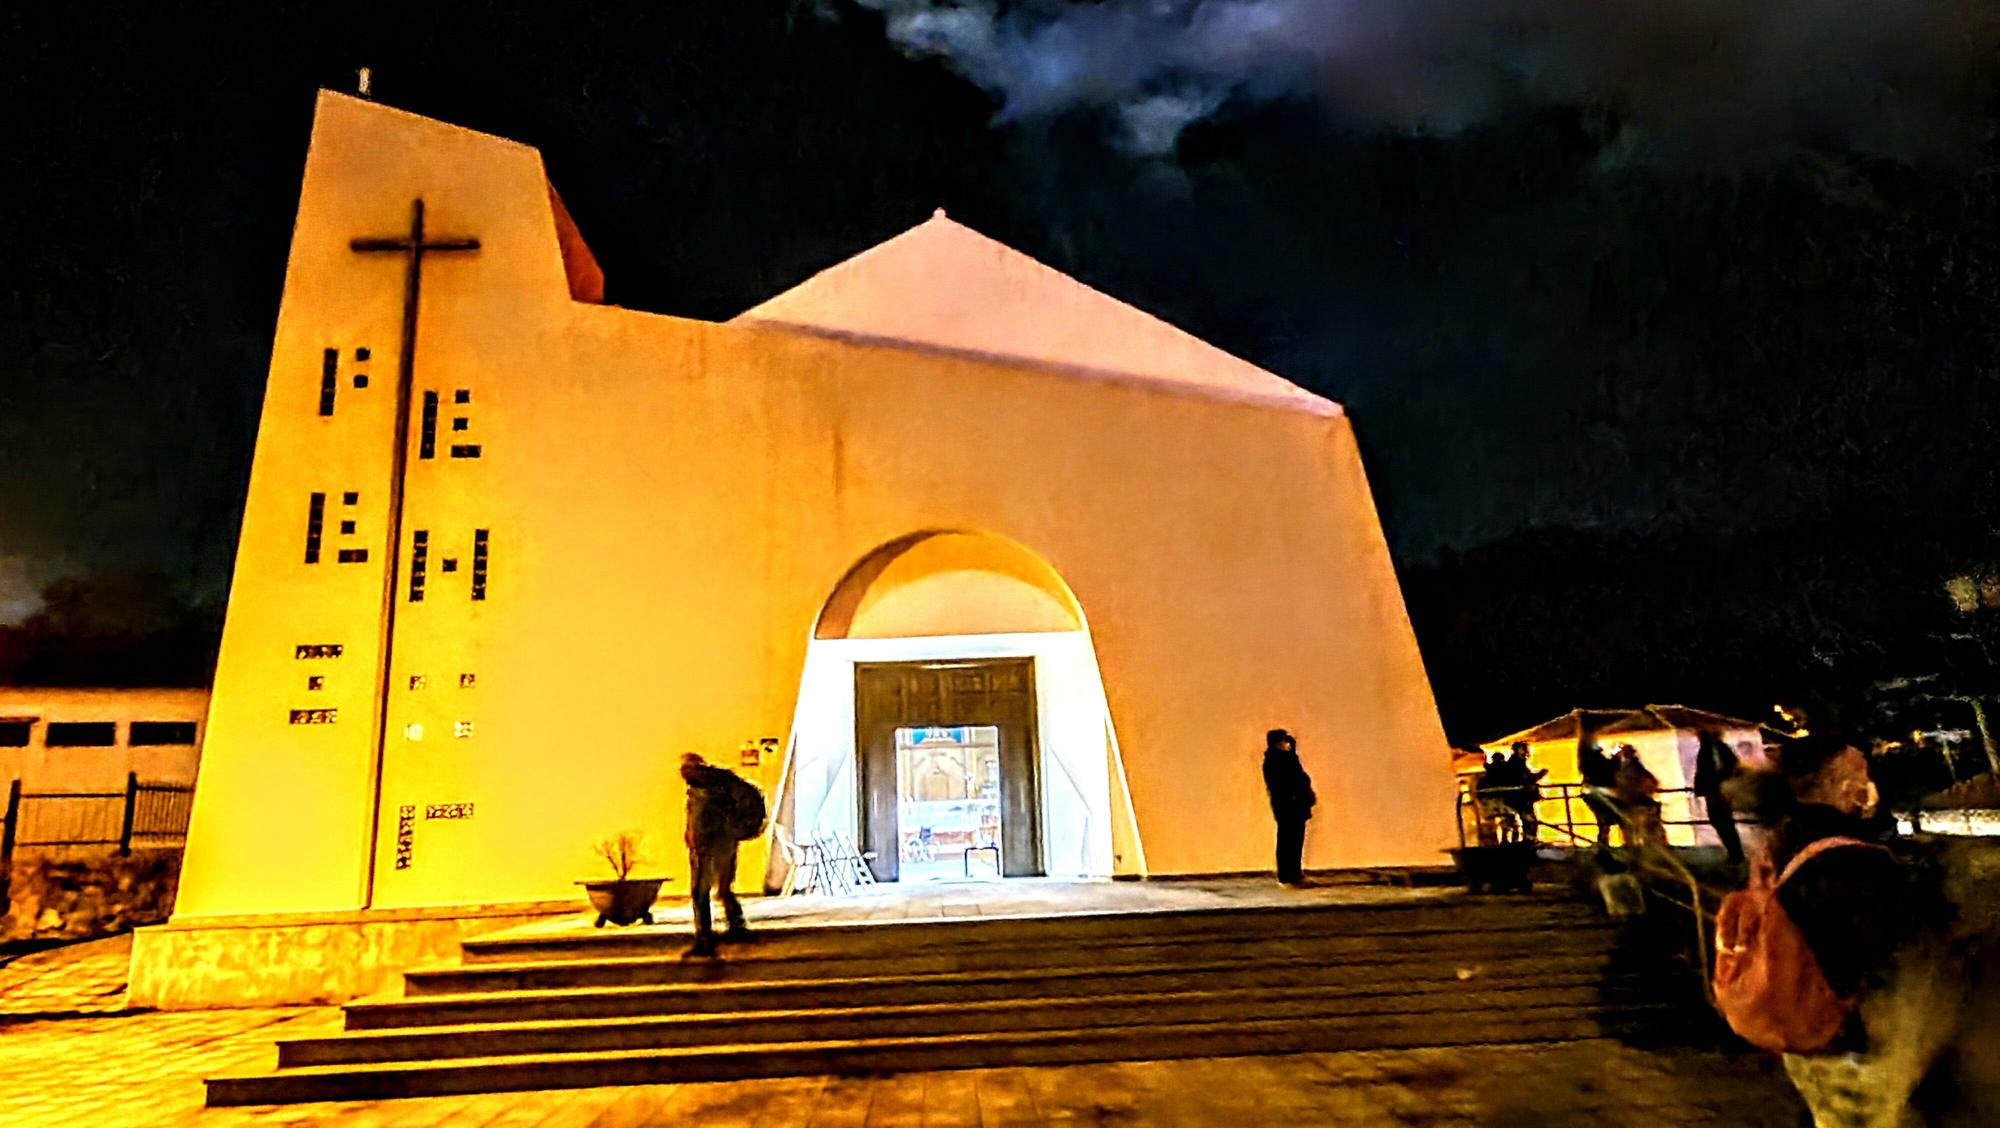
point(1666, 738)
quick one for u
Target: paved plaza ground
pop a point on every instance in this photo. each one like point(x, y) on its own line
point(64, 1061)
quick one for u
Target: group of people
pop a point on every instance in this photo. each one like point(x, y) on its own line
point(1507, 790)
point(1619, 791)
point(1876, 931)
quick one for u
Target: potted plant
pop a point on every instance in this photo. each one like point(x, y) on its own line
point(624, 899)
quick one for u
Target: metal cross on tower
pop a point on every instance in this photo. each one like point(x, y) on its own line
point(413, 246)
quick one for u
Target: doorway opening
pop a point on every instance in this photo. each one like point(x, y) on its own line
point(949, 773)
point(948, 814)
point(969, 607)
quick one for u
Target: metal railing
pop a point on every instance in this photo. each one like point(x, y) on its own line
point(1563, 817)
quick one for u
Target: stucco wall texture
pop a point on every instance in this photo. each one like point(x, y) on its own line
point(671, 503)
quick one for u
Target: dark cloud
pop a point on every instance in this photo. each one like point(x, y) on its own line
point(1713, 80)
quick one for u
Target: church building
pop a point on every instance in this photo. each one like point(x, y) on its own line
point(965, 564)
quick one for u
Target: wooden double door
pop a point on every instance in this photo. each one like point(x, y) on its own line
point(952, 693)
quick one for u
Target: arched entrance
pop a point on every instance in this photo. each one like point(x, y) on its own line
point(951, 717)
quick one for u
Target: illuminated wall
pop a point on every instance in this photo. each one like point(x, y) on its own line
point(632, 525)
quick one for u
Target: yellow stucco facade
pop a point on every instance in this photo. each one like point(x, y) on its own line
point(663, 514)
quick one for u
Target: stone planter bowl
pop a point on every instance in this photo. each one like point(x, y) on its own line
point(623, 902)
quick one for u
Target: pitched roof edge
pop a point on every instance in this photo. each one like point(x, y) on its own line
point(939, 217)
point(1301, 401)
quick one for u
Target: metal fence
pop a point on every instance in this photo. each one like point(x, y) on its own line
point(1563, 818)
point(144, 814)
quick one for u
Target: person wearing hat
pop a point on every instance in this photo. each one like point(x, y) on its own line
point(1292, 802)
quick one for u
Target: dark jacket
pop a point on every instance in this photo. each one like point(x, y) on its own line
point(1291, 789)
point(1714, 763)
point(1526, 784)
point(1854, 906)
point(709, 813)
point(1596, 768)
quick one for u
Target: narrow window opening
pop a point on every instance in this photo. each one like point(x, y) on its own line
point(81, 734)
point(420, 554)
point(479, 553)
point(329, 374)
point(315, 523)
point(153, 733)
point(427, 439)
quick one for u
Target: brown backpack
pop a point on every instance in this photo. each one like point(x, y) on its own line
point(1767, 982)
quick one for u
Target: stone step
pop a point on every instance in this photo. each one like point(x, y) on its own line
point(1443, 912)
point(1488, 1000)
point(513, 1073)
point(899, 990)
point(763, 960)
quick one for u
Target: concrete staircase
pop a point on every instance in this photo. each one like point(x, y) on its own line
point(623, 1008)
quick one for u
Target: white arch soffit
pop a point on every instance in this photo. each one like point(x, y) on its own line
point(890, 551)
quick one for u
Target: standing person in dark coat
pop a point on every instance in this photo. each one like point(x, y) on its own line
point(1292, 801)
point(711, 843)
point(1600, 775)
point(1715, 764)
point(1527, 789)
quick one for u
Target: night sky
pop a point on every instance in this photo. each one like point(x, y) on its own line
point(1682, 304)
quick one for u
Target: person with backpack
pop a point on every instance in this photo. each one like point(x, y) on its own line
point(723, 809)
point(1807, 956)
